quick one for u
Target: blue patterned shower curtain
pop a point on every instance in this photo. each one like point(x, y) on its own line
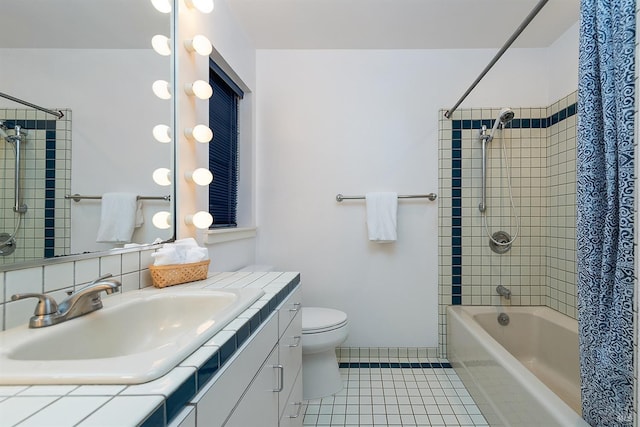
point(606, 94)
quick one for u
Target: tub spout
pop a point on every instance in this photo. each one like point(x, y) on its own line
point(501, 290)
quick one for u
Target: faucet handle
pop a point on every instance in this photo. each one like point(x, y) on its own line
point(46, 304)
point(101, 278)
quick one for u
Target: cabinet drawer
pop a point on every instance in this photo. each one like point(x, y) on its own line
point(289, 308)
point(293, 408)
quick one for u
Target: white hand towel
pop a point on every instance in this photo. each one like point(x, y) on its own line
point(121, 214)
point(382, 210)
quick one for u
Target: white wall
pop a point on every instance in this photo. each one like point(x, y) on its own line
point(235, 54)
point(113, 110)
point(356, 121)
point(563, 64)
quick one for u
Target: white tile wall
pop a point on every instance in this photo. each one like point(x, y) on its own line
point(540, 268)
point(30, 237)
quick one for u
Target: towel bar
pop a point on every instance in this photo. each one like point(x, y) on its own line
point(78, 197)
point(430, 196)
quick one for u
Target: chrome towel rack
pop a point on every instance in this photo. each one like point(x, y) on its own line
point(78, 197)
point(430, 196)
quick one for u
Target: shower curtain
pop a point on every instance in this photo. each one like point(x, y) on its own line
point(606, 94)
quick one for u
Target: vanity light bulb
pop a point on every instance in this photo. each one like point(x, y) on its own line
point(161, 45)
point(162, 133)
point(200, 176)
point(162, 176)
point(201, 220)
point(163, 6)
point(199, 44)
point(162, 89)
point(199, 88)
point(204, 6)
point(200, 133)
point(161, 220)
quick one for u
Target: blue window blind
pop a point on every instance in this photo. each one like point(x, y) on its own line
point(223, 150)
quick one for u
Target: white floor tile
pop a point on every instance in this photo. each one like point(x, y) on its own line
point(375, 397)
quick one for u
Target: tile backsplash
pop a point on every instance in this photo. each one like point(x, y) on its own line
point(57, 278)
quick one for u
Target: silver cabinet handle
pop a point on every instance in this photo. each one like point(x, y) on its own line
point(280, 378)
point(296, 340)
point(299, 405)
point(296, 307)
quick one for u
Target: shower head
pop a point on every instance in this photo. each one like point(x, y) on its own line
point(505, 116)
point(3, 130)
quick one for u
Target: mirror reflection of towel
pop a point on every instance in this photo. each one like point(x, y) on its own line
point(382, 212)
point(121, 214)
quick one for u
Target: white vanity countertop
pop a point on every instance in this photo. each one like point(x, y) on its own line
point(148, 404)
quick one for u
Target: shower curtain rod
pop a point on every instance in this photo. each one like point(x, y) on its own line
point(58, 114)
point(495, 59)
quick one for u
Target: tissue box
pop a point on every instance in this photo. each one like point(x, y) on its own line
point(169, 275)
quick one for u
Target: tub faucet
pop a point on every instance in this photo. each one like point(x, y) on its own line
point(501, 290)
point(48, 312)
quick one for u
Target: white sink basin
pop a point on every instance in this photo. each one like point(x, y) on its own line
point(137, 337)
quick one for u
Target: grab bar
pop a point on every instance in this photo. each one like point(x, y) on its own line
point(430, 196)
point(78, 197)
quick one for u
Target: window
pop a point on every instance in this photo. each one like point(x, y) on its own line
point(223, 150)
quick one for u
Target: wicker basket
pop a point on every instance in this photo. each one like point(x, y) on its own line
point(169, 275)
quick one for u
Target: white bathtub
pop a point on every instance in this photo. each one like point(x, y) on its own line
point(523, 374)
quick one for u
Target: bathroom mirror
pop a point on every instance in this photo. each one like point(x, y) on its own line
point(92, 60)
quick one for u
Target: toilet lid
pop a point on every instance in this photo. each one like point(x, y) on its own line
point(318, 319)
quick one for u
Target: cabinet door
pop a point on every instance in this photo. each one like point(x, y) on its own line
point(289, 309)
point(259, 405)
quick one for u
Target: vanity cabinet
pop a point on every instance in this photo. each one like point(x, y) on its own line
point(262, 385)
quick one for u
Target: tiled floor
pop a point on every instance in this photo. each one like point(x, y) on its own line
point(382, 395)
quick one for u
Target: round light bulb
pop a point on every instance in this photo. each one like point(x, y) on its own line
point(199, 88)
point(204, 6)
point(200, 133)
point(162, 89)
point(163, 6)
point(162, 176)
point(199, 44)
point(161, 220)
point(201, 220)
point(200, 176)
point(161, 45)
point(162, 133)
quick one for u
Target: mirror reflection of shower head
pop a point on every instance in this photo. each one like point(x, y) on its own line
point(3, 129)
point(505, 116)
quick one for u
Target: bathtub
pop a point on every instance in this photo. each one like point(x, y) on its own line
point(523, 374)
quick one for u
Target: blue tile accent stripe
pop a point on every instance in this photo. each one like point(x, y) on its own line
point(49, 126)
point(395, 365)
point(176, 401)
point(456, 182)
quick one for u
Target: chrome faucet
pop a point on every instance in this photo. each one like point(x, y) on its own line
point(501, 290)
point(48, 312)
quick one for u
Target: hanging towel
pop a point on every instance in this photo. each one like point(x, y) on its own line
point(382, 210)
point(121, 214)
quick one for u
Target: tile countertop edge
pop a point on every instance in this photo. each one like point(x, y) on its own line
point(174, 390)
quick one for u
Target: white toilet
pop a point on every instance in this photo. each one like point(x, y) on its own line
point(323, 329)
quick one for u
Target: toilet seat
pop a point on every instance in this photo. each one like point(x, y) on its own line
point(316, 320)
